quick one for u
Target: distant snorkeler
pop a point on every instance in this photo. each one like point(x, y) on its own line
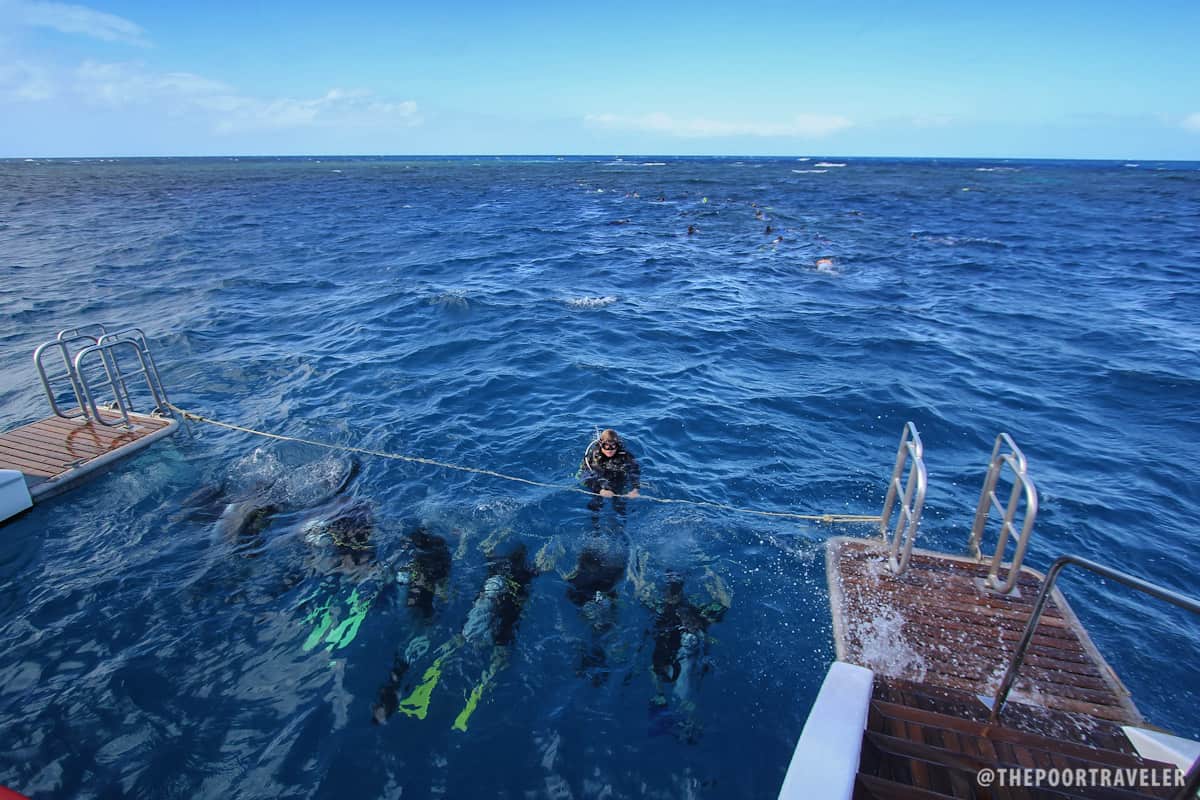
point(678, 661)
point(491, 623)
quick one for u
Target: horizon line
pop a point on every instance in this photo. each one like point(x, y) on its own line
point(616, 156)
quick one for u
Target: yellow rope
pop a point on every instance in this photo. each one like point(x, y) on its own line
point(826, 518)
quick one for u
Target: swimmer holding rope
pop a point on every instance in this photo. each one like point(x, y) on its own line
point(610, 470)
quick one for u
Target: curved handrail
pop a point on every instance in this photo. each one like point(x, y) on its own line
point(912, 494)
point(1019, 464)
point(68, 334)
point(1005, 453)
point(116, 379)
point(1039, 606)
point(61, 343)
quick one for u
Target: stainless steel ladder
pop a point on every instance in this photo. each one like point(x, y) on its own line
point(1022, 500)
point(91, 355)
point(905, 496)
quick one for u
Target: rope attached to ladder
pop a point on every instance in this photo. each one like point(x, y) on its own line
point(826, 518)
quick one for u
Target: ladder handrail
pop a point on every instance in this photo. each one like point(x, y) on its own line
point(1005, 453)
point(163, 403)
point(116, 379)
point(79, 333)
point(97, 340)
point(912, 494)
point(62, 343)
point(1039, 606)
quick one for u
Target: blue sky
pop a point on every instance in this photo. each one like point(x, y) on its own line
point(954, 79)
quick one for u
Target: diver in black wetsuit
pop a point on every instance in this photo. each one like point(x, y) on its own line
point(424, 568)
point(427, 569)
point(609, 470)
point(680, 644)
point(593, 588)
point(491, 623)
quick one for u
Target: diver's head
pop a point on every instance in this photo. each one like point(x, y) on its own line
point(610, 443)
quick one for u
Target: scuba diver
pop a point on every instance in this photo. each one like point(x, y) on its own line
point(425, 568)
point(347, 528)
point(680, 644)
point(341, 538)
point(244, 505)
point(608, 469)
point(593, 588)
point(491, 623)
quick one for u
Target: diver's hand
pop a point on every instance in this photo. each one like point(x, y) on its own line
point(607, 493)
point(633, 493)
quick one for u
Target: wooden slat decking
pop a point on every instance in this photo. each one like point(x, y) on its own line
point(925, 743)
point(936, 625)
point(53, 452)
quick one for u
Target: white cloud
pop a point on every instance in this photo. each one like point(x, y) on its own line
point(1192, 122)
point(800, 125)
point(933, 121)
point(229, 111)
point(336, 108)
point(120, 85)
point(22, 81)
point(73, 19)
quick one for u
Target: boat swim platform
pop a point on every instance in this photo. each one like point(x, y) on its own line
point(55, 453)
point(936, 625)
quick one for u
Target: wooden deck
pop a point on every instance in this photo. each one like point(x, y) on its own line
point(937, 626)
point(55, 452)
point(931, 744)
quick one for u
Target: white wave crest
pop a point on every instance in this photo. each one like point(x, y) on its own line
point(591, 302)
point(828, 164)
point(810, 171)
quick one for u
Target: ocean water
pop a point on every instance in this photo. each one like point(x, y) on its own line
point(493, 313)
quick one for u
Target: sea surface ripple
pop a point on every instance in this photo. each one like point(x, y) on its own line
point(494, 313)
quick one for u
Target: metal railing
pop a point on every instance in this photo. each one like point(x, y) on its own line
point(1039, 606)
point(911, 493)
point(62, 344)
point(1005, 453)
point(114, 376)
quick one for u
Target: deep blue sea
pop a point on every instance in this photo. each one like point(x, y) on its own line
point(494, 313)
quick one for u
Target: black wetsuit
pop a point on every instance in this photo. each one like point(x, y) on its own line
point(619, 473)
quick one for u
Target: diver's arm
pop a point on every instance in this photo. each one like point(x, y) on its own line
point(635, 476)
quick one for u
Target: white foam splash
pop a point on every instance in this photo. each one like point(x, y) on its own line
point(810, 171)
point(885, 649)
point(828, 164)
point(591, 302)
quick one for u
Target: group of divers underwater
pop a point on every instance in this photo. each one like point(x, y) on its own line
point(418, 577)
